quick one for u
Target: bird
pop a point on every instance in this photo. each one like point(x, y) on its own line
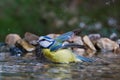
point(57, 43)
point(55, 51)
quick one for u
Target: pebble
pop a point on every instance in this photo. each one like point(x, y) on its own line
point(11, 39)
point(31, 38)
point(29, 56)
point(77, 40)
point(106, 44)
point(52, 35)
point(113, 36)
point(3, 47)
point(88, 42)
point(94, 37)
point(15, 51)
point(4, 56)
point(79, 51)
point(90, 52)
point(118, 42)
point(25, 45)
point(117, 51)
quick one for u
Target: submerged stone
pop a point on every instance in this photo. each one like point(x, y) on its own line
point(15, 51)
point(4, 56)
point(4, 47)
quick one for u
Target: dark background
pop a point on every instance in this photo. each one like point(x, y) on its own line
point(42, 17)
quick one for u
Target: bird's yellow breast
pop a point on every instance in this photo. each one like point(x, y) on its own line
point(60, 56)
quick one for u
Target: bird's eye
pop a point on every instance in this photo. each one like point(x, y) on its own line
point(43, 39)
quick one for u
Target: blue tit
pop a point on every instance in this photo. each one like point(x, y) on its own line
point(57, 43)
point(53, 50)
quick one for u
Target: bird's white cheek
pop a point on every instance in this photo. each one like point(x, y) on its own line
point(45, 44)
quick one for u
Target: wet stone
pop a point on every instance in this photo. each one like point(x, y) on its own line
point(4, 47)
point(77, 40)
point(15, 51)
point(94, 37)
point(117, 51)
point(91, 50)
point(4, 56)
point(31, 38)
point(114, 36)
point(79, 51)
point(88, 42)
point(23, 44)
point(52, 35)
point(11, 39)
point(106, 44)
point(29, 56)
point(118, 42)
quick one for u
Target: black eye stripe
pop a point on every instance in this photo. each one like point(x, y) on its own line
point(43, 39)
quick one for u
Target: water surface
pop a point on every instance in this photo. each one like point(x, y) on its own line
point(106, 67)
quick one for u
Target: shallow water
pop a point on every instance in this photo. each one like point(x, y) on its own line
point(106, 67)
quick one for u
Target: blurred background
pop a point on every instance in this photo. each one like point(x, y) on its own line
point(42, 17)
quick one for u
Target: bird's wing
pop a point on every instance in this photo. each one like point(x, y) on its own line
point(64, 36)
point(73, 45)
point(85, 59)
point(68, 35)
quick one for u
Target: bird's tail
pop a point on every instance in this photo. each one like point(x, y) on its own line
point(85, 59)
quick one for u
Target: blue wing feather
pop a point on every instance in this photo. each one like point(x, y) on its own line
point(64, 36)
point(85, 59)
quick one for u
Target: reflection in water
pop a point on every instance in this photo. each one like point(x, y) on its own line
point(106, 67)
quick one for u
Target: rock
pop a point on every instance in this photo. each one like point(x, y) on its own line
point(28, 56)
point(113, 36)
point(91, 49)
point(31, 38)
point(88, 42)
point(77, 40)
point(90, 52)
point(4, 56)
point(106, 44)
point(3, 47)
point(11, 39)
point(23, 44)
point(117, 51)
point(118, 42)
point(53, 35)
point(79, 51)
point(2, 44)
point(94, 37)
point(15, 51)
